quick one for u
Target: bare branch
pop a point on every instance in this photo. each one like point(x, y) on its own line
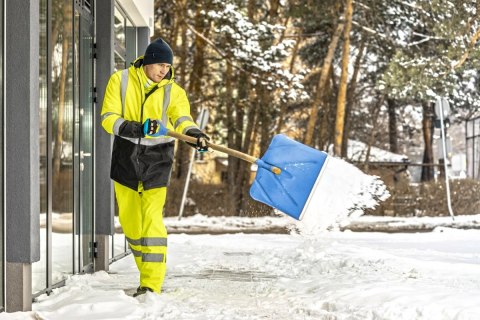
point(214, 47)
point(473, 41)
point(369, 30)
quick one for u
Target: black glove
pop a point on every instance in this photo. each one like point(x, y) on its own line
point(202, 139)
point(131, 129)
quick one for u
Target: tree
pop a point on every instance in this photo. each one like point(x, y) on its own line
point(253, 76)
point(340, 119)
point(433, 61)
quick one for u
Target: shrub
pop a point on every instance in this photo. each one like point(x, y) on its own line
point(430, 199)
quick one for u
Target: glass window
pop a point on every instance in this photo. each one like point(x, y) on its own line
point(62, 138)
point(125, 38)
point(39, 268)
point(56, 145)
point(119, 62)
point(130, 42)
point(119, 29)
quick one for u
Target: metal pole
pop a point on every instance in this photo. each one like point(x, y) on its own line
point(187, 182)
point(202, 123)
point(444, 145)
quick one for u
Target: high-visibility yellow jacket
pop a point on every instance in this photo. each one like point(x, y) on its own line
point(125, 108)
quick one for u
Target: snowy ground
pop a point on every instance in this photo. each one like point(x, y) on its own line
point(284, 224)
point(337, 275)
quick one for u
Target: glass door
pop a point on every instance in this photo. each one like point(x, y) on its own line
point(85, 142)
point(2, 213)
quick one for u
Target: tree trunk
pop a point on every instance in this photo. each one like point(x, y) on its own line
point(319, 94)
point(183, 49)
point(327, 123)
point(350, 97)
point(274, 5)
point(265, 120)
point(375, 112)
point(283, 106)
point(240, 166)
point(248, 146)
point(340, 119)
point(197, 72)
point(177, 19)
point(427, 126)
point(251, 8)
point(392, 125)
point(182, 155)
point(230, 122)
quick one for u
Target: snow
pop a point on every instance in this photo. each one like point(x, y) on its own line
point(338, 275)
point(203, 224)
point(396, 224)
point(341, 191)
point(357, 151)
point(253, 276)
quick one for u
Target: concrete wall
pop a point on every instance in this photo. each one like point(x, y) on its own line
point(21, 125)
point(104, 205)
point(22, 131)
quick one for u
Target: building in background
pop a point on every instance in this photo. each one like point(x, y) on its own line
point(56, 59)
point(472, 128)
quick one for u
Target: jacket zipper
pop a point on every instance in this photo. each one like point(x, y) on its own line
point(141, 122)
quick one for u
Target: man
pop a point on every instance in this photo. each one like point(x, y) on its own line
point(137, 101)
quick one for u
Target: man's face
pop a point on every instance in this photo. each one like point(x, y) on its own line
point(157, 71)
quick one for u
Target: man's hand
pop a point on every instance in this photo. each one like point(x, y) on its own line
point(151, 128)
point(202, 139)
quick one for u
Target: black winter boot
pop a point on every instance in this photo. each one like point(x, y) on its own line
point(142, 290)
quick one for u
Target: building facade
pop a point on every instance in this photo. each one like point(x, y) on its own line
point(472, 129)
point(58, 215)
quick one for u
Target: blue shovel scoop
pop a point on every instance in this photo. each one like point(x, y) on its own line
point(287, 174)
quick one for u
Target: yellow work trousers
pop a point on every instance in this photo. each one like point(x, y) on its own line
point(141, 217)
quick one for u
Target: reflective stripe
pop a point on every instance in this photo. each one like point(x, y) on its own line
point(188, 128)
point(153, 257)
point(148, 257)
point(154, 242)
point(117, 124)
point(136, 253)
point(106, 115)
point(149, 142)
point(181, 120)
point(157, 241)
point(134, 242)
point(124, 84)
point(166, 102)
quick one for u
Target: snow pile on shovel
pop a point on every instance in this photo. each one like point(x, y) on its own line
point(342, 191)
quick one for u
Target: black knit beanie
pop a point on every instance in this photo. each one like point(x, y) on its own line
point(158, 51)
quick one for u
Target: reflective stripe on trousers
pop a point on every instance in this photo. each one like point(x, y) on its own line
point(141, 217)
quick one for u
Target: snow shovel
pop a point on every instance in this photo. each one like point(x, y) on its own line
point(287, 175)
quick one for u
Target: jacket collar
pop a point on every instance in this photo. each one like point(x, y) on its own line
point(169, 77)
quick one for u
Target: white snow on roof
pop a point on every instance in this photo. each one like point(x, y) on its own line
point(358, 150)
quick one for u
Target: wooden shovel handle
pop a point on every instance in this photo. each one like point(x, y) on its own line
point(231, 152)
